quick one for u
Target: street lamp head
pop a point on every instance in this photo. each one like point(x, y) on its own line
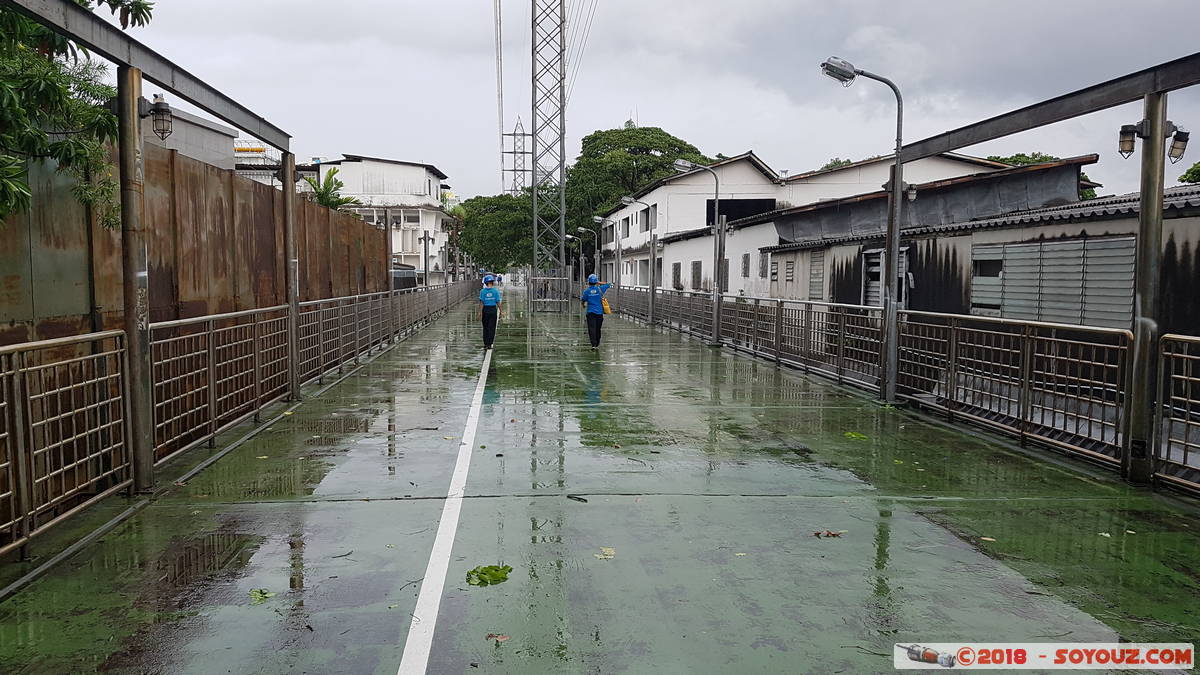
point(683, 166)
point(599, 221)
point(1178, 145)
point(1125, 144)
point(628, 201)
point(839, 69)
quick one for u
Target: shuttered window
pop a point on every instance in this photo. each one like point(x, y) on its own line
point(763, 260)
point(774, 270)
point(872, 292)
point(677, 276)
point(697, 271)
point(790, 275)
point(816, 275)
point(1081, 281)
point(745, 265)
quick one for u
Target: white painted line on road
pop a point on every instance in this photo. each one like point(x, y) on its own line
point(420, 631)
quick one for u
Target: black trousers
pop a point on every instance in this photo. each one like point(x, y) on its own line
point(489, 315)
point(595, 321)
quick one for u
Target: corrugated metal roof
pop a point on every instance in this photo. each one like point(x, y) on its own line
point(1104, 207)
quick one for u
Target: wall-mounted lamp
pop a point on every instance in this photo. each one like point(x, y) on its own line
point(1178, 135)
point(911, 192)
point(1125, 144)
point(1178, 145)
point(160, 114)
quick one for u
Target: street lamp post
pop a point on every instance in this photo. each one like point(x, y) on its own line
point(595, 248)
point(605, 222)
point(571, 237)
point(425, 259)
point(845, 72)
point(718, 225)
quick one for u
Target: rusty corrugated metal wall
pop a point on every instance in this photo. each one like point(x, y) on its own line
point(215, 244)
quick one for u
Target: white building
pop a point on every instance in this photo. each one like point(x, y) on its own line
point(676, 208)
point(408, 197)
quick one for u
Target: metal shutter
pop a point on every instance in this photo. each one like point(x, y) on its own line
point(872, 292)
point(1108, 282)
point(816, 275)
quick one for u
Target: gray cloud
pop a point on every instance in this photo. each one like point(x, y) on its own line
point(416, 80)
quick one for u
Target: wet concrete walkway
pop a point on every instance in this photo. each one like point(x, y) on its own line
point(697, 480)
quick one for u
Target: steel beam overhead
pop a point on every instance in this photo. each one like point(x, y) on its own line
point(103, 38)
point(1165, 77)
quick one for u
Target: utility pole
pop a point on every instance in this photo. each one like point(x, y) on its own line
point(135, 278)
point(1137, 463)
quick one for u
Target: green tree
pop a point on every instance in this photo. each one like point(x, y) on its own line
point(1022, 159)
point(497, 231)
point(54, 106)
point(835, 163)
point(328, 193)
point(1192, 175)
point(616, 162)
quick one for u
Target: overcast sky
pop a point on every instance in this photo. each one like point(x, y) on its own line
point(416, 80)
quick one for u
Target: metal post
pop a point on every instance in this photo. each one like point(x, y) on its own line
point(719, 269)
point(19, 449)
point(210, 343)
point(653, 275)
point(778, 329)
point(292, 281)
point(1137, 464)
point(256, 355)
point(889, 356)
point(425, 259)
point(135, 281)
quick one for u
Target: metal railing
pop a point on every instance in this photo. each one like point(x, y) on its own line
point(1060, 385)
point(1178, 421)
point(550, 293)
point(64, 415)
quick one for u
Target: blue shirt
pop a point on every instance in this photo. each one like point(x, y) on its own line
point(490, 297)
point(592, 295)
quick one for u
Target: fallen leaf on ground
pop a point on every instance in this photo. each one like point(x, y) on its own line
point(288, 412)
point(740, 555)
point(830, 533)
point(180, 483)
point(513, 420)
point(1104, 534)
point(483, 447)
point(854, 435)
point(488, 575)
point(606, 553)
point(817, 533)
point(195, 513)
point(497, 637)
point(393, 606)
point(448, 438)
point(986, 539)
point(259, 595)
point(576, 498)
point(263, 457)
point(391, 546)
point(1130, 532)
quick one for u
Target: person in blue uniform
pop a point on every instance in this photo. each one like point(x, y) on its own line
point(593, 298)
point(489, 309)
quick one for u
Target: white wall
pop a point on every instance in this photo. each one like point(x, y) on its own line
point(387, 184)
point(871, 177)
point(749, 240)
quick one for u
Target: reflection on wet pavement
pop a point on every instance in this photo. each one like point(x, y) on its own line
point(661, 504)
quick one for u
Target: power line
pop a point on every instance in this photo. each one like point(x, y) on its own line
point(587, 32)
point(499, 87)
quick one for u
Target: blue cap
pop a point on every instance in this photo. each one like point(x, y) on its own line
point(487, 278)
point(593, 279)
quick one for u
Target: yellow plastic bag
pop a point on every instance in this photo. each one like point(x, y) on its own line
point(607, 307)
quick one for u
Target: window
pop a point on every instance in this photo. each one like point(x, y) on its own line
point(428, 186)
point(1083, 281)
point(654, 216)
point(412, 217)
point(763, 259)
point(987, 268)
point(791, 271)
point(816, 275)
point(724, 275)
point(774, 270)
point(745, 265)
point(677, 276)
point(697, 272)
point(643, 217)
point(625, 228)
